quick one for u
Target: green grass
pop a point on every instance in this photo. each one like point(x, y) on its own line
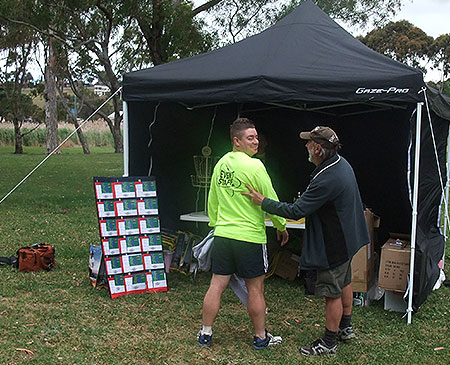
point(61, 319)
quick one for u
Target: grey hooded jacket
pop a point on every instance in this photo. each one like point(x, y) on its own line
point(335, 225)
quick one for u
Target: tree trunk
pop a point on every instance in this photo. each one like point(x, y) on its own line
point(117, 136)
point(81, 137)
point(115, 131)
point(51, 122)
point(18, 137)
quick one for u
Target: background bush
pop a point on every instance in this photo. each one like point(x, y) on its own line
point(97, 138)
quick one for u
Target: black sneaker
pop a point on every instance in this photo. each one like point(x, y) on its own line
point(204, 340)
point(346, 334)
point(318, 347)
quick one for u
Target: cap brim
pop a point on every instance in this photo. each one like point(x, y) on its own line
point(305, 135)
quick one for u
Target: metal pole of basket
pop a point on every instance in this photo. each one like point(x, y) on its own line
point(206, 184)
point(206, 152)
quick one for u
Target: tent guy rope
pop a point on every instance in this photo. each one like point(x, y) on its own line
point(151, 137)
point(57, 148)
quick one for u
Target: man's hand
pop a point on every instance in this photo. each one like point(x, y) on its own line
point(284, 236)
point(256, 197)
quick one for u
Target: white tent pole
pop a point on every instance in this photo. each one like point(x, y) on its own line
point(414, 208)
point(446, 200)
point(447, 188)
point(126, 152)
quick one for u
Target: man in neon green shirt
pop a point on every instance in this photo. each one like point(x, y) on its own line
point(239, 231)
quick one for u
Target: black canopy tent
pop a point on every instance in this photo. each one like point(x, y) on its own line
point(303, 71)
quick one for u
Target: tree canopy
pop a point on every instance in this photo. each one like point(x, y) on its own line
point(102, 39)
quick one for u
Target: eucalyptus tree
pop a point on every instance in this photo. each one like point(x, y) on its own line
point(175, 29)
point(88, 35)
point(401, 41)
point(17, 45)
point(440, 50)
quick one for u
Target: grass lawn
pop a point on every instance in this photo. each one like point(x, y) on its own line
point(57, 317)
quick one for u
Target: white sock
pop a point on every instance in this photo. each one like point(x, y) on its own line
point(207, 330)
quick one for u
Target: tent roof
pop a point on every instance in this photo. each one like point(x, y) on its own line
point(306, 56)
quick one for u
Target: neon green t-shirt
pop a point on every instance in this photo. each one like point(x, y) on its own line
point(231, 214)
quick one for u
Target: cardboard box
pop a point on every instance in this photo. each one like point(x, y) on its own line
point(363, 262)
point(361, 286)
point(393, 301)
point(394, 263)
point(287, 266)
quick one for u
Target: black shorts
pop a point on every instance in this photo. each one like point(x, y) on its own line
point(245, 259)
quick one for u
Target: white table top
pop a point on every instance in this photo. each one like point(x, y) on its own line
point(202, 217)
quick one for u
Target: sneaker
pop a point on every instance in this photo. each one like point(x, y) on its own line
point(318, 347)
point(346, 334)
point(204, 340)
point(273, 340)
point(270, 340)
point(259, 344)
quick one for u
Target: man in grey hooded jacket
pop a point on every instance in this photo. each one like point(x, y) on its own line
point(335, 230)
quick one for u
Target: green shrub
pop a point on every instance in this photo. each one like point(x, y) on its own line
point(6, 136)
point(38, 137)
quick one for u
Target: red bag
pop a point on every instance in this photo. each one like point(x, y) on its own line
point(36, 257)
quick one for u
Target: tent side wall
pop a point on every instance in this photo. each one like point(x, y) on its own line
point(430, 242)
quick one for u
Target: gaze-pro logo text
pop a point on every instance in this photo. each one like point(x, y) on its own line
point(390, 90)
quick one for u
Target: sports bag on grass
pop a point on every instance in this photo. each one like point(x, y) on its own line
point(32, 258)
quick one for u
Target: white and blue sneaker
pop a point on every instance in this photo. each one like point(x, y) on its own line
point(204, 340)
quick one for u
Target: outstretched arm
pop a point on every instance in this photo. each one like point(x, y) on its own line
point(256, 197)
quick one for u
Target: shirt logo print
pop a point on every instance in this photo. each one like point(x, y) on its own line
point(228, 181)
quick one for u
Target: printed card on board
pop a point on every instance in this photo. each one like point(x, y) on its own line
point(103, 190)
point(124, 189)
point(148, 206)
point(126, 207)
point(113, 265)
point(157, 260)
point(149, 225)
point(136, 282)
point(152, 242)
point(159, 279)
point(106, 209)
point(116, 285)
point(132, 263)
point(130, 244)
point(128, 226)
point(149, 278)
point(108, 228)
point(111, 246)
point(154, 260)
point(145, 189)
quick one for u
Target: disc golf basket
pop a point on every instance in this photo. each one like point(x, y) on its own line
point(203, 165)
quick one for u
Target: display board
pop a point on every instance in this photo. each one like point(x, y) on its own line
point(132, 251)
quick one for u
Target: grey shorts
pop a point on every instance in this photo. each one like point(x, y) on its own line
point(330, 282)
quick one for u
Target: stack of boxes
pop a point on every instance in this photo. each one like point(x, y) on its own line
point(394, 270)
point(363, 263)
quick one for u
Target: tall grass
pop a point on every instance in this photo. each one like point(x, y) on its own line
point(56, 317)
point(37, 137)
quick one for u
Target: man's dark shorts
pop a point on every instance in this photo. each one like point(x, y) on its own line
point(245, 259)
point(330, 282)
